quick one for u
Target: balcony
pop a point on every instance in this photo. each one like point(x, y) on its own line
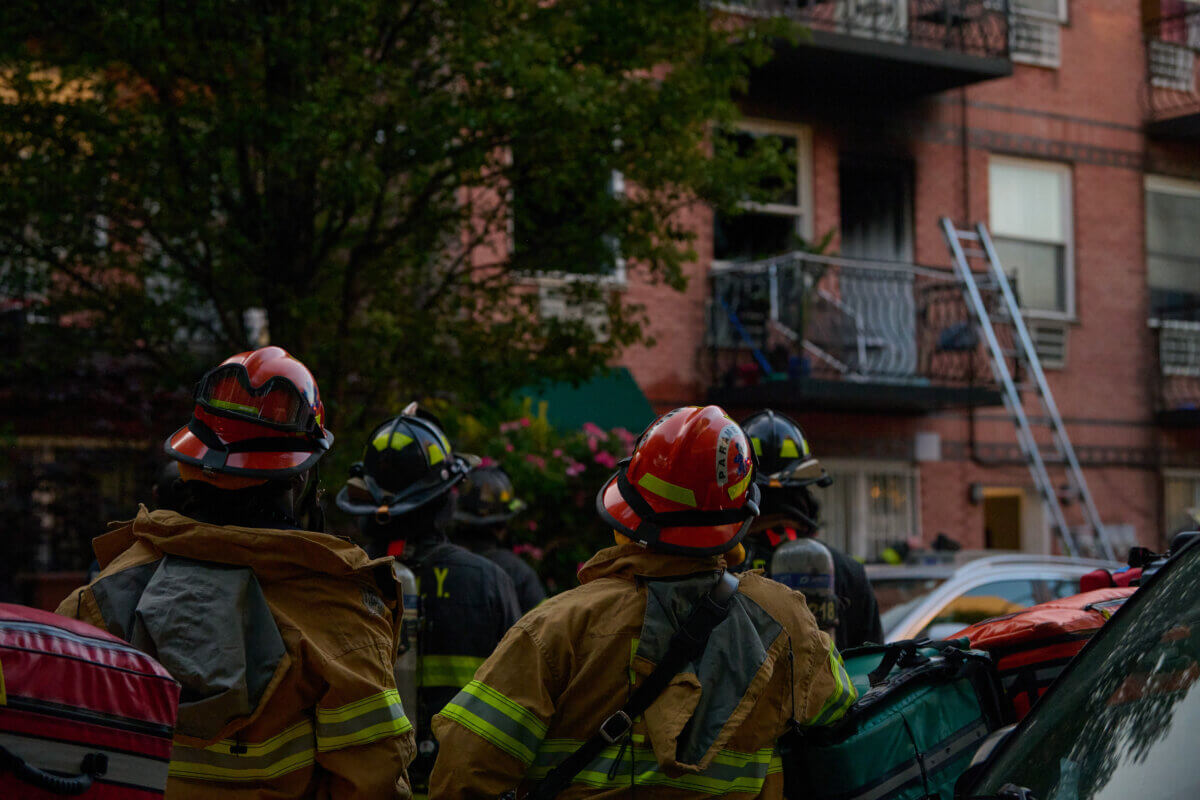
point(881, 50)
point(808, 332)
point(1172, 100)
point(1177, 395)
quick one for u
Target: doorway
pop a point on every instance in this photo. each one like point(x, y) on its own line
point(876, 208)
point(1002, 514)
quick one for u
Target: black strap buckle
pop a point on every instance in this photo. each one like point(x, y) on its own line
point(615, 727)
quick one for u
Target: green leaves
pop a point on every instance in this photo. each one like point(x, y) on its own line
point(355, 168)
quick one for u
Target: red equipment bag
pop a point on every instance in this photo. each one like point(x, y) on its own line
point(82, 713)
point(1032, 647)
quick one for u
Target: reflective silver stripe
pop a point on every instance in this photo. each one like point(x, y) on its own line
point(367, 726)
point(289, 751)
point(960, 741)
point(65, 757)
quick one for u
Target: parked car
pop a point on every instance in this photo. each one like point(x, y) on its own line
point(1123, 719)
point(936, 600)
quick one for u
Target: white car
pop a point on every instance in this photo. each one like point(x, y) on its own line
point(938, 600)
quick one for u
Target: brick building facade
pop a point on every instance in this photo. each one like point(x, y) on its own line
point(1075, 138)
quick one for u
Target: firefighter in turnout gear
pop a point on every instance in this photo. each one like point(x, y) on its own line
point(787, 470)
point(282, 638)
point(486, 502)
point(679, 508)
point(402, 492)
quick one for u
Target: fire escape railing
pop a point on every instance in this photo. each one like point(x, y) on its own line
point(972, 27)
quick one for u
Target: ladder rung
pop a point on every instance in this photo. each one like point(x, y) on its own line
point(970, 236)
point(973, 253)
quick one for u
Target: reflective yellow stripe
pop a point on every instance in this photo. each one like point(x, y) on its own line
point(234, 406)
point(397, 442)
point(788, 449)
point(436, 454)
point(843, 696)
point(456, 671)
point(676, 494)
point(361, 722)
point(231, 760)
point(497, 719)
point(756, 443)
point(729, 771)
point(738, 488)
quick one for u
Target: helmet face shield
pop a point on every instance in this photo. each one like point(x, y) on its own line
point(226, 392)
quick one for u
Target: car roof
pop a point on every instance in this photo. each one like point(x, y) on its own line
point(975, 562)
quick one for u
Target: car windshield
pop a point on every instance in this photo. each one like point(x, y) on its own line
point(898, 596)
point(1125, 721)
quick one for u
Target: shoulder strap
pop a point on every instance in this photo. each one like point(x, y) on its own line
point(686, 645)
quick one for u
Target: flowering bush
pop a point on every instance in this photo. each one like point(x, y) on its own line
point(557, 473)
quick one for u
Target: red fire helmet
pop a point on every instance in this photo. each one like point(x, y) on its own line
point(258, 415)
point(689, 486)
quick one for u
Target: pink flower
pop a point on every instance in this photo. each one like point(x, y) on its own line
point(575, 468)
point(532, 525)
point(606, 459)
point(536, 460)
point(592, 429)
point(508, 448)
point(531, 550)
point(558, 453)
point(624, 435)
point(487, 461)
point(593, 443)
point(525, 422)
point(505, 427)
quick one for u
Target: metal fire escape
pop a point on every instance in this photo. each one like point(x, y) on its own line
point(977, 244)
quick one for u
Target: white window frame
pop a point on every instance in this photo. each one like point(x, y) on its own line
point(1164, 184)
point(1173, 475)
point(855, 471)
point(1066, 175)
point(804, 176)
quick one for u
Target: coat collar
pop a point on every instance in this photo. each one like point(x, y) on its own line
point(626, 561)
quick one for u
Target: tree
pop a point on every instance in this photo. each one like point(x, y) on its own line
point(169, 172)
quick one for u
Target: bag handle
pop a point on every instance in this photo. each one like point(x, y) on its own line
point(686, 645)
point(906, 649)
point(94, 765)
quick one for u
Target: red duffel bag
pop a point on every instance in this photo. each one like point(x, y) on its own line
point(1032, 647)
point(81, 712)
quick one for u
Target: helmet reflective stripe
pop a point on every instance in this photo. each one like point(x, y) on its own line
point(397, 441)
point(739, 488)
point(756, 443)
point(231, 406)
point(788, 449)
point(436, 454)
point(668, 491)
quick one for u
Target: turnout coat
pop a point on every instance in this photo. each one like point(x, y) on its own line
point(574, 660)
point(284, 642)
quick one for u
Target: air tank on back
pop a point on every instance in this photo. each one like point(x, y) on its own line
point(406, 657)
point(806, 565)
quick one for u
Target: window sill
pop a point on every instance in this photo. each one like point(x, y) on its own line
point(553, 280)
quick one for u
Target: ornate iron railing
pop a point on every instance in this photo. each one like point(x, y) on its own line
point(803, 315)
point(1172, 66)
point(974, 27)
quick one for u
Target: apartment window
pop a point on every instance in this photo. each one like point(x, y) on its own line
point(1035, 28)
point(869, 507)
point(1181, 501)
point(782, 223)
point(1173, 248)
point(1030, 212)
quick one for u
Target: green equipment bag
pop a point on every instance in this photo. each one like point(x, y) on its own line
point(923, 708)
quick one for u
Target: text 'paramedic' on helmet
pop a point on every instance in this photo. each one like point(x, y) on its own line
point(407, 463)
point(689, 486)
point(784, 458)
point(487, 497)
point(258, 415)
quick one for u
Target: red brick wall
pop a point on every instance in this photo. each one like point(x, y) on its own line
point(1088, 114)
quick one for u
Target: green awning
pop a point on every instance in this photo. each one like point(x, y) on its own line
point(612, 399)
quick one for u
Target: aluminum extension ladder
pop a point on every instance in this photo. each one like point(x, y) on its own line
point(977, 244)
